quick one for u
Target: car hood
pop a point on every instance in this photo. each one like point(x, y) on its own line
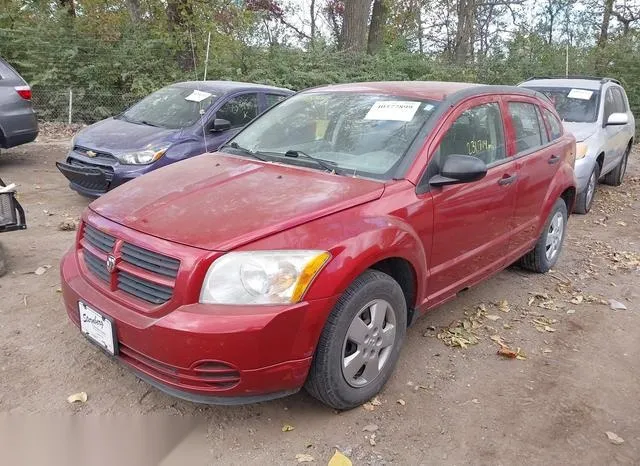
point(580, 130)
point(219, 202)
point(113, 136)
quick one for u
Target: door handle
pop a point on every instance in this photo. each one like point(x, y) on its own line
point(506, 179)
point(553, 159)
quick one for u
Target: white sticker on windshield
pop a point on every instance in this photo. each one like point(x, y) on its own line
point(581, 94)
point(395, 110)
point(197, 96)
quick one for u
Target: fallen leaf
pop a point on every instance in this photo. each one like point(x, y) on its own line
point(80, 396)
point(617, 305)
point(372, 440)
point(498, 340)
point(287, 428)
point(304, 458)
point(621, 223)
point(571, 311)
point(507, 353)
point(531, 300)
point(338, 459)
point(614, 438)
point(493, 317)
point(506, 326)
point(503, 305)
point(370, 428)
point(401, 402)
point(67, 225)
point(549, 329)
point(577, 299)
point(368, 406)
point(375, 401)
point(546, 350)
point(42, 269)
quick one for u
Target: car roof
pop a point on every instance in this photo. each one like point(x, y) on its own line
point(224, 87)
point(592, 84)
point(432, 90)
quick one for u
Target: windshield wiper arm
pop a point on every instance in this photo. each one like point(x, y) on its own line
point(244, 150)
point(326, 164)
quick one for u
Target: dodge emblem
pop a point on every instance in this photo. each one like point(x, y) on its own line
point(111, 263)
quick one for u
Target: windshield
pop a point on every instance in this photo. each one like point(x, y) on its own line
point(171, 107)
point(356, 134)
point(573, 105)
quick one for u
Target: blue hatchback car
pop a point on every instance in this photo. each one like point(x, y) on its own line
point(176, 122)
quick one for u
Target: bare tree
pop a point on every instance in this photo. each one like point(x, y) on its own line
point(627, 14)
point(376, 28)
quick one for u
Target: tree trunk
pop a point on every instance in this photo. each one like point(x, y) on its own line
point(604, 27)
point(354, 25)
point(134, 10)
point(376, 29)
point(312, 12)
point(464, 31)
point(178, 12)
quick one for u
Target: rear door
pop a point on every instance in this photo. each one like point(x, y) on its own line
point(614, 145)
point(538, 158)
point(472, 221)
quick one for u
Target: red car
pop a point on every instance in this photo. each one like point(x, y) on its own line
point(299, 253)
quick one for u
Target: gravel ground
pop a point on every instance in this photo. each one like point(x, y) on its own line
point(577, 379)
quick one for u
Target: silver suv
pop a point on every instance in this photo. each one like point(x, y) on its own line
point(596, 111)
point(18, 122)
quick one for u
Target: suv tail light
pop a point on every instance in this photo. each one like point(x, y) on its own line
point(24, 92)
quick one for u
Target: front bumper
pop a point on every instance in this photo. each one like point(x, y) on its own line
point(206, 353)
point(94, 176)
point(583, 169)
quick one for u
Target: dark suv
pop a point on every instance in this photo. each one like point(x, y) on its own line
point(18, 122)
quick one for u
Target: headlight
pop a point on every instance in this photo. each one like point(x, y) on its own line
point(261, 277)
point(581, 150)
point(145, 156)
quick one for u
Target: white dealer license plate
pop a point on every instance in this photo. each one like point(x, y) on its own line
point(97, 328)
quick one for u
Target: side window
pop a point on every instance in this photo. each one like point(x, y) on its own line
point(239, 110)
point(525, 125)
point(273, 99)
point(621, 105)
point(543, 129)
point(554, 124)
point(477, 132)
point(609, 104)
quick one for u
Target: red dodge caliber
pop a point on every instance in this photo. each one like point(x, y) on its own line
point(299, 253)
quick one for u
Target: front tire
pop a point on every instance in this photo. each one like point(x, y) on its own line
point(360, 343)
point(585, 199)
point(616, 176)
point(549, 245)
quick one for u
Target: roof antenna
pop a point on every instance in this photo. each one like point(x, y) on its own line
point(206, 60)
point(195, 70)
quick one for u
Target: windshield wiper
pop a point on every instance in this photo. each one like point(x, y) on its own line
point(145, 122)
point(326, 164)
point(244, 150)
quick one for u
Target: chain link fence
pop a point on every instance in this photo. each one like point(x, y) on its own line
point(79, 105)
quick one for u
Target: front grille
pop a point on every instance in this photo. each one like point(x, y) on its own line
point(142, 273)
point(99, 239)
point(96, 265)
point(98, 154)
point(149, 260)
point(144, 289)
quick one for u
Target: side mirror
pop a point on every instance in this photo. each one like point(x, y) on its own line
point(616, 119)
point(460, 169)
point(220, 124)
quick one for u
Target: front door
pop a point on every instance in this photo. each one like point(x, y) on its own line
point(239, 111)
point(472, 221)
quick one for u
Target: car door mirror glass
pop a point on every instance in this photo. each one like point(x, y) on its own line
point(617, 119)
point(459, 169)
point(220, 124)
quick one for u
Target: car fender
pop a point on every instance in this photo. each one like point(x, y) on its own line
point(563, 180)
point(356, 243)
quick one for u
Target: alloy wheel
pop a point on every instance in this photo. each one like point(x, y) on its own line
point(554, 236)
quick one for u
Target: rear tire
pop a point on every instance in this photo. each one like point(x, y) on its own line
point(360, 343)
point(584, 201)
point(547, 250)
point(616, 176)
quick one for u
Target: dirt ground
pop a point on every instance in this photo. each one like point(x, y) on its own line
point(579, 376)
